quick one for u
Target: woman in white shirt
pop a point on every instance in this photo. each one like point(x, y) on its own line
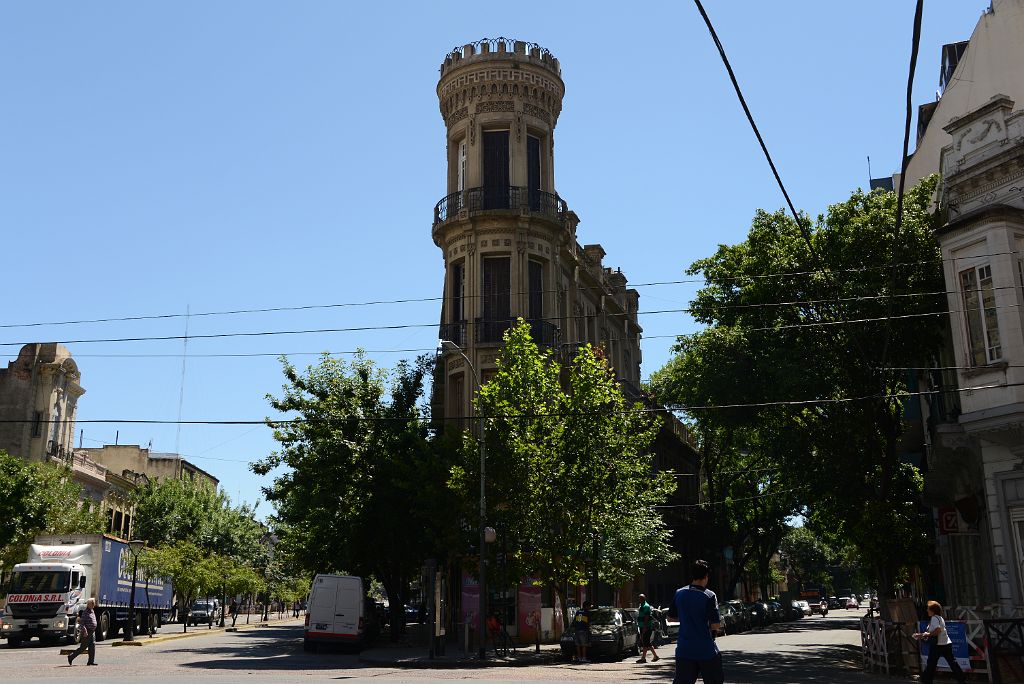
point(939, 646)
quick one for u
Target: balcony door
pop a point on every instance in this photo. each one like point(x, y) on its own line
point(496, 172)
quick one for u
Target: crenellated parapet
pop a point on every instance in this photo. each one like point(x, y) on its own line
point(500, 75)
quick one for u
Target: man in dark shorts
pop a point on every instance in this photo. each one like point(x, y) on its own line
point(697, 608)
point(581, 632)
point(645, 618)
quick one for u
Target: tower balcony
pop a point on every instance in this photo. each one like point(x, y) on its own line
point(500, 198)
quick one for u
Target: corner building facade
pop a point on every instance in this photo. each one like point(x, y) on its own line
point(507, 237)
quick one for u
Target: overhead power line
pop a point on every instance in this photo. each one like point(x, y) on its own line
point(673, 408)
point(406, 326)
point(380, 302)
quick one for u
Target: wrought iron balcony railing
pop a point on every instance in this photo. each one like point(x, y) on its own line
point(490, 331)
point(496, 198)
point(454, 332)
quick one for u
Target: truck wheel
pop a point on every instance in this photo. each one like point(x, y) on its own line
point(103, 626)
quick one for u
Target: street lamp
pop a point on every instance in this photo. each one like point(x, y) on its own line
point(482, 612)
point(135, 546)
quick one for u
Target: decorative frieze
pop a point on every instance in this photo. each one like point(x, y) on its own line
point(495, 106)
point(535, 111)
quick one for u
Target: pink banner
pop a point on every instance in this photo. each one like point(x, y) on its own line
point(529, 610)
point(470, 600)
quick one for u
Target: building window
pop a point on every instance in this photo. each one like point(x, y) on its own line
point(37, 424)
point(533, 182)
point(496, 169)
point(536, 290)
point(456, 391)
point(458, 285)
point(980, 312)
point(496, 298)
point(461, 183)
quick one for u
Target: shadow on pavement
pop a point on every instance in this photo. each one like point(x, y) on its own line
point(268, 648)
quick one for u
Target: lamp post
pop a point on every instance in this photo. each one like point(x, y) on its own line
point(135, 546)
point(482, 612)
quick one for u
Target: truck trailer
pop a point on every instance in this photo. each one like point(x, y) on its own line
point(47, 593)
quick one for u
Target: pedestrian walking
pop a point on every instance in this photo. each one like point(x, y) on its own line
point(87, 630)
point(697, 609)
point(174, 612)
point(939, 645)
point(233, 607)
point(581, 632)
point(645, 616)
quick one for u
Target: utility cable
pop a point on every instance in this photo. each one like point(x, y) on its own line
point(517, 416)
point(339, 305)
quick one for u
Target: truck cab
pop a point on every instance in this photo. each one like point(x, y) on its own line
point(44, 600)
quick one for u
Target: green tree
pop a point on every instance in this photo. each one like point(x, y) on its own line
point(169, 510)
point(363, 489)
point(808, 556)
point(39, 498)
point(569, 471)
point(832, 324)
point(191, 570)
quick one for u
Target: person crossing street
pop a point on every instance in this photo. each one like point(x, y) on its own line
point(645, 616)
point(87, 630)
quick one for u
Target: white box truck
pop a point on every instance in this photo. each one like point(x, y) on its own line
point(339, 612)
point(47, 592)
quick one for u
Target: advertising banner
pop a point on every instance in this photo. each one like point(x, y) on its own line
point(957, 632)
point(116, 580)
point(470, 600)
point(529, 610)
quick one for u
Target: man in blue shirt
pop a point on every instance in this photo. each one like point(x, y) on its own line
point(697, 609)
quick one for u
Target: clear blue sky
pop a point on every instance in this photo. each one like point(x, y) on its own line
point(232, 155)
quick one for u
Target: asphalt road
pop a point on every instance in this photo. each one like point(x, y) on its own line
point(811, 651)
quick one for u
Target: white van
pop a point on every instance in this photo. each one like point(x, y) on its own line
point(339, 612)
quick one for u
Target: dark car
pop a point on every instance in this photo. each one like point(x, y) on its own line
point(776, 613)
point(613, 632)
point(744, 618)
point(204, 612)
point(758, 613)
point(732, 621)
point(795, 610)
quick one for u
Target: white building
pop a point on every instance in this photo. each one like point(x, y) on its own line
point(974, 136)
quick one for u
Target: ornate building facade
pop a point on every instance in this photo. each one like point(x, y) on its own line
point(508, 239)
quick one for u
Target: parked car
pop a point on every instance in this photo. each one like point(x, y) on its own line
point(852, 603)
point(758, 613)
point(340, 613)
point(834, 603)
point(613, 632)
point(795, 611)
point(805, 607)
point(204, 611)
point(744, 615)
point(731, 619)
point(776, 613)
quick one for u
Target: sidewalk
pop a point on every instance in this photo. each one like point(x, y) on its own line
point(173, 630)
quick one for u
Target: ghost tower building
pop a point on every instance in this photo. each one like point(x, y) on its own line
point(507, 237)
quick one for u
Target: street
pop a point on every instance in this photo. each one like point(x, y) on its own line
point(812, 650)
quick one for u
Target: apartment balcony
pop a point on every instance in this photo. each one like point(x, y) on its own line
point(502, 198)
point(454, 332)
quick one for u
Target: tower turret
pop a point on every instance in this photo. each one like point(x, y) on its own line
point(508, 239)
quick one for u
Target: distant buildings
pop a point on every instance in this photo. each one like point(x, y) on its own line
point(39, 394)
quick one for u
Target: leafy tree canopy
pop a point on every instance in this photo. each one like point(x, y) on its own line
point(832, 324)
point(39, 498)
point(569, 471)
point(361, 488)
